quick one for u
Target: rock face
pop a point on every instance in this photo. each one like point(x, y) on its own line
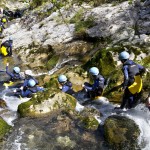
point(46, 37)
point(121, 132)
point(41, 105)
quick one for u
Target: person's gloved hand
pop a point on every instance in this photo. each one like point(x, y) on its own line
point(7, 64)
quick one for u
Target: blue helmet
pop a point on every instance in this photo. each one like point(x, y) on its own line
point(31, 83)
point(94, 71)
point(124, 55)
point(62, 78)
point(16, 69)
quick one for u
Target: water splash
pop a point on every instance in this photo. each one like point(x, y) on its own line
point(12, 102)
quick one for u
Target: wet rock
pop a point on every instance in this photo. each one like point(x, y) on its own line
point(121, 132)
point(44, 104)
point(4, 128)
point(3, 103)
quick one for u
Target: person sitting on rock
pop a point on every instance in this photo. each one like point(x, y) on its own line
point(31, 89)
point(28, 76)
point(66, 85)
point(96, 89)
point(6, 47)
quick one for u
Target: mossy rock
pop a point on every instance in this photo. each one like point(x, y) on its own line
point(4, 128)
point(89, 123)
point(103, 60)
point(86, 119)
point(52, 62)
point(44, 103)
point(121, 132)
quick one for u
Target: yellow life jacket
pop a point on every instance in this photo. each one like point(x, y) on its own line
point(3, 51)
point(8, 84)
point(136, 87)
point(4, 20)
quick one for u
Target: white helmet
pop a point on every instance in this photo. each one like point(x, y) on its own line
point(28, 72)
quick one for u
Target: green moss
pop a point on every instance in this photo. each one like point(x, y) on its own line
point(24, 108)
point(52, 84)
point(121, 132)
point(4, 128)
point(103, 60)
point(77, 17)
point(36, 3)
point(89, 123)
point(52, 62)
point(81, 25)
point(145, 62)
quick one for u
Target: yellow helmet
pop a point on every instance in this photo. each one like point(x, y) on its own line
point(4, 20)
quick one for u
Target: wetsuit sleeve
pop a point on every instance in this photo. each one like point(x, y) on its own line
point(141, 69)
point(9, 73)
point(65, 88)
point(40, 88)
point(89, 88)
point(26, 93)
point(25, 85)
point(126, 76)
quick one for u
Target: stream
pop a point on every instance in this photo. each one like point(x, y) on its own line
point(20, 141)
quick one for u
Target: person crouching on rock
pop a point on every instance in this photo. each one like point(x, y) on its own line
point(96, 89)
point(65, 85)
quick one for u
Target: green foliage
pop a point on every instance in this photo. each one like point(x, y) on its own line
point(146, 62)
point(97, 2)
point(36, 3)
point(81, 25)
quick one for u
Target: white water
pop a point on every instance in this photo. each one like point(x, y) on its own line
point(10, 113)
point(140, 114)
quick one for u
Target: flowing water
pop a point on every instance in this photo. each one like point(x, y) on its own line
point(140, 115)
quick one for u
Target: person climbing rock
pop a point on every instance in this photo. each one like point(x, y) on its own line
point(66, 85)
point(31, 89)
point(6, 47)
point(132, 84)
point(96, 89)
